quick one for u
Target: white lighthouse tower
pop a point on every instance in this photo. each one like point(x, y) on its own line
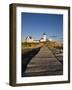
point(44, 36)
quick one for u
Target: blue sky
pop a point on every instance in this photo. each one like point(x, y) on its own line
point(34, 24)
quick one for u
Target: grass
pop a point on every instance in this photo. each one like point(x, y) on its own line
point(24, 51)
point(55, 45)
point(27, 47)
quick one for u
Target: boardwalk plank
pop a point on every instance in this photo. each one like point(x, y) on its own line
point(44, 63)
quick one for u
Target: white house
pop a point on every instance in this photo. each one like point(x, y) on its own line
point(29, 39)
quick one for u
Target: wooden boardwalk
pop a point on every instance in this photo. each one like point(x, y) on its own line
point(44, 63)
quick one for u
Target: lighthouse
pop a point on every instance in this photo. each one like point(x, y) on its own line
point(44, 36)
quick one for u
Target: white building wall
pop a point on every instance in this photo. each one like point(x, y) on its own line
point(44, 37)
